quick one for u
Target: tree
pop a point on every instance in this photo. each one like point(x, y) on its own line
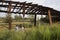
point(6, 19)
point(18, 18)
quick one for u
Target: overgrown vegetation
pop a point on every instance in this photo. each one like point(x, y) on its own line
point(41, 32)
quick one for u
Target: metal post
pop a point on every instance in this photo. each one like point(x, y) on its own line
point(23, 12)
point(35, 20)
point(24, 9)
point(9, 14)
point(50, 18)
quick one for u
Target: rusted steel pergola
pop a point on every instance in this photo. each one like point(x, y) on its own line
point(27, 8)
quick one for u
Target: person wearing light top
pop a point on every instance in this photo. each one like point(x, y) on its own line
point(22, 28)
point(17, 28)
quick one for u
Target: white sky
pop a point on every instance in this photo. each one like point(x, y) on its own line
point(49, 3)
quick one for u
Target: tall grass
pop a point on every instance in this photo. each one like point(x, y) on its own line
point(45, 32)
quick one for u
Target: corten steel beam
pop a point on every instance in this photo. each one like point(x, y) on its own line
point(39, 13)
point(8, 6)
point(14, 8)
point(2, 2)
point(50, 17)
point(21, 7)
point(28, 4)
point(35, 20)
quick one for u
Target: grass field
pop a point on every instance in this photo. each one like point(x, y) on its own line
point(40, 32)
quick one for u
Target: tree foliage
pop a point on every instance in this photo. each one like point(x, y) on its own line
point(17, 18)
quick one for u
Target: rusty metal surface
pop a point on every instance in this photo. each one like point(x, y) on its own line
point(26, 8)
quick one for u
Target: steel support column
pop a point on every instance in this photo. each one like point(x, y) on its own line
point(9, 16)
point(50, 17)
point(35, 20)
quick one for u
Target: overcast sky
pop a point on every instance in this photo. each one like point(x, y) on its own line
point(49, 3)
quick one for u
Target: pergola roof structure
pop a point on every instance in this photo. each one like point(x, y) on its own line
point(18, 7)
point(27, 8)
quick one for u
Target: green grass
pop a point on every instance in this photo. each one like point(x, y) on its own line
point(42, 32)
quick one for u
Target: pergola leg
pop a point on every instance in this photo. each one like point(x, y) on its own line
point(9, 23)
point(9, 16)
point(50, 18)
point(35, 20)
